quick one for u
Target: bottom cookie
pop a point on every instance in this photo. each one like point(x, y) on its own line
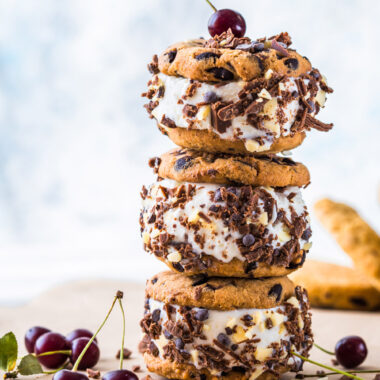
point(173, 370)
point(224, 328)
point(337, 287)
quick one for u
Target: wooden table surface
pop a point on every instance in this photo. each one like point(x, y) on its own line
point(85, 304)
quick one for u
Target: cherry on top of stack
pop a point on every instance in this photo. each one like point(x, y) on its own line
point(236, 95)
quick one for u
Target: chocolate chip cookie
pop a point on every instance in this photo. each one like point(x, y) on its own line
point(206, 328)
point(225, 230)
point(337, 287)
point(185, 165)
point(267, 111)
point(354, 235)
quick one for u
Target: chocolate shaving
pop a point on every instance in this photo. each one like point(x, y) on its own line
point(311, 122)
point(153, 66)
point(168, 122)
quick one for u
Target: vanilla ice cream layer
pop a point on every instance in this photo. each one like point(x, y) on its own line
point(217, 240)
point(260, 334)
point(279, 116)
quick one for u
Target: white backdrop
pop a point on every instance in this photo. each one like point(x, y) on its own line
point(74, 138)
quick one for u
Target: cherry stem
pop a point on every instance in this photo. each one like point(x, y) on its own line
point(55, 370)
point(47, 353)
point(323, 349)
point(119, 294)
point(122, 338)
point(334, 373)
point(335, 370)
point(211, 5)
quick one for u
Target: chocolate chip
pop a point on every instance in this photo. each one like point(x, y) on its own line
point(179, 343)
point(153, 349)
point(248, 240)
point(237, 218)
point(183, 163)
point(295, 94)
point(358, 301)
point(295, 265)
point(151, 219)
point(276, 291)
point(251, 266)
point(206, 55)
point(306, 235)
point(201, 314)
point(221, 73)
point(245, 47)
point(202, 279)
point(156, 315)
point(260, 63)
point(232, 190)
point(292, 63)
point(312, 106)
point(167, 334)
point(212, 172)
point(315, 74)
point(218, 195)
point(210, 97)
point(234, 347)
point(178, 267)
point(229, 331)
point(171, 55)
point(214, 208)
point(224, 339)
point(154, 280)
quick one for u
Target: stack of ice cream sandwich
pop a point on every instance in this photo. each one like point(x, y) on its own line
point(226, 213)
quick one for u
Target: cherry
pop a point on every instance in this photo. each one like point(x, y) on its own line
point(79, 333)
point(351, 351)
point(32, 335)
point(65, 374)
point(48, 342)
point(120, 374)
point(90, 358)
point(224, 19)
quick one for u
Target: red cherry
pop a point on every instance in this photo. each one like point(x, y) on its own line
point(120, 374)
point(351, 351)
point(65, 374)
point(224, 19)
point(80, 333)
point(51, 342)
point(90, 358)
point(32, 335)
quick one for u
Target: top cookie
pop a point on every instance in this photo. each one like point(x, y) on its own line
point(226, 57)
point(219, 293)
point(185, 165)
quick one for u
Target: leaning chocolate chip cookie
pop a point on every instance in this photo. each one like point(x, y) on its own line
point(337, 287)
point(354, 235)
point(200, 328)
point(225, 229)
point(186, 165)
point(264, 105)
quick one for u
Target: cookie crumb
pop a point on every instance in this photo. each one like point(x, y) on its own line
point(136, 368)
point(93, 374)
point(126, 353)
